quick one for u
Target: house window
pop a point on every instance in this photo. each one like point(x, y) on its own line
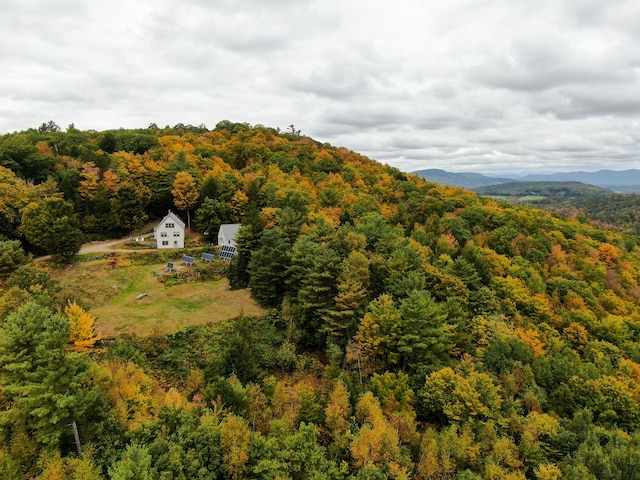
point(176, 234)
point(165, 242)
point(163, 234)
point(170, 225)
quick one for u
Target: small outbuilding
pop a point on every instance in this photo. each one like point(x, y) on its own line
point(169, 233)
point(227, 234)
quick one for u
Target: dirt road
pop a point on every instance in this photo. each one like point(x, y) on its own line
point(102, 247)
point(107, 246)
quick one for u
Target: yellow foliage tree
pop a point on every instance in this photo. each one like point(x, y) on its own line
point(577, 335)
point(337, 411)
point(129, 391)
point(111, 182)
point(547, 471)
point(608, 254)
point(90, 177)
point(14, 194)
point(82, 335)
point(377, 442)
point(234, 439)
point(185, 193)
point(532, 338)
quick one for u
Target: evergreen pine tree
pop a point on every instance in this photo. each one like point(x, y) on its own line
point(268, 269)
point(425, 337)
point(45, 384)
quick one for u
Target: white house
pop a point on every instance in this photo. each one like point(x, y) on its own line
point(227, 234)
point(170, 232)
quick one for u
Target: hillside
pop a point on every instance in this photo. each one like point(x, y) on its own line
point(617, 211)
point(573, 199)
point(412, 330)
point(625, 181)
point(542, 191)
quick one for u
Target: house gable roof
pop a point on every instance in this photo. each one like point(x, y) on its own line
point(229, 230)
point(171, 216)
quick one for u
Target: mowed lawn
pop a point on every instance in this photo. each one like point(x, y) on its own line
point(111, 295)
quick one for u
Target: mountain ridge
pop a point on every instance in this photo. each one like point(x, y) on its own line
point(625, 181)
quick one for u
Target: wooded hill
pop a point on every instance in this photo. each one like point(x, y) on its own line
point(573, 199)
point(551, 191)
point(414, 330)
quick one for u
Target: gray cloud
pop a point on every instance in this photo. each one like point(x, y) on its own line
point(490, 86)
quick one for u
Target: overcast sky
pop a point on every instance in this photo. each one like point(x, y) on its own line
point(489, 86)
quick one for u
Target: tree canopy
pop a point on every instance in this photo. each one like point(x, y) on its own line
point(413, 330)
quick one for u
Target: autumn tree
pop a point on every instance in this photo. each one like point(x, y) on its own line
point(129, 392)
point(234, 439)
point(377, 442)
point(338, 410)
point(185, 194)
point(82, 335)
point(451, 397)
point(14, 195)
point(90, 178)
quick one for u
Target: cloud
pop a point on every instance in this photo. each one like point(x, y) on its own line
point(459, 85)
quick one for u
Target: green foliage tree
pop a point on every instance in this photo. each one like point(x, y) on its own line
point(20, 155)
point(12, 256)
point(209, 217)
point(268, 269)
point(29, 277)
point(376, 340)
point(313, 274)
point(424, 337)
point(134, 465)
point(108, 142)
point(45, 384)
point(129, 206)
point(247, 242)
point(53, 225)
point(405, 273)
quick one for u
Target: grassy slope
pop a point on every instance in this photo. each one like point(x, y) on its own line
point(111, 296)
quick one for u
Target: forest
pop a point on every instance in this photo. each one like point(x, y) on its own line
point(616, 211)
point(411, 330)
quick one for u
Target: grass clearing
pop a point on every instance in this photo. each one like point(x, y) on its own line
point(111, 295)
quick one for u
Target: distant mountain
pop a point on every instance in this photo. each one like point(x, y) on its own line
point(464, 180)
point(625, 181)
point(621, 181)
